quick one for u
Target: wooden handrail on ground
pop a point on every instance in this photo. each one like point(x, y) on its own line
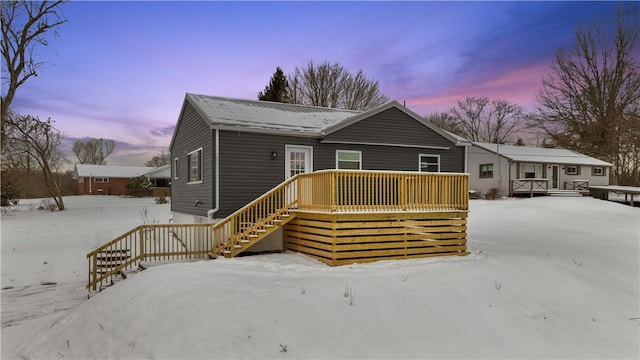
point(153, 242)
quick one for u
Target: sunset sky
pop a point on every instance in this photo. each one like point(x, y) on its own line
point(120, 70)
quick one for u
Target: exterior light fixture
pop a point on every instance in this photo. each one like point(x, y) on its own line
point(274, 155)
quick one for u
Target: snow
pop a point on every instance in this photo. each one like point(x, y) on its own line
point(268, 116)
point(538, 154)
point(116, 171)
point(547, 277)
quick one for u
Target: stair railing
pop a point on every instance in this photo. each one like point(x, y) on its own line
point(265, 211)
point(152, 242)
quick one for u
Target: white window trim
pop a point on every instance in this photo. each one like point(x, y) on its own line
point(537, 166)
point(287, 163)
point(567, 172)
point(420, 161)
point(176, 168)
point(603, 172)
point(106, 179)
point(487, 176)
point(201, 166)
point(352, 152)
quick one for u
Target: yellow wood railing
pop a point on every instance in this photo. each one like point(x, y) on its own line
point(234, 233)
point(327, 191)
point(156, 242)
point(349, 191)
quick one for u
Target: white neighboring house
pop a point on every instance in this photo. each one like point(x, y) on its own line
point(514, 170)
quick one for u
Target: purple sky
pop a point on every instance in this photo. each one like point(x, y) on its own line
point(119, 70)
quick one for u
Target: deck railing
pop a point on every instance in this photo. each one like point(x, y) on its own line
point(530, 186)
point(348, 191)
point(577, 185)
point(327, 191)
point(155, 242)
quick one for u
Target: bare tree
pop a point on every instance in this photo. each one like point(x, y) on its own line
point(93, 151)
point(159, 160)
point(590, 100)
point(360, 93)
point(469, 114)
point(479, 119)
point(40, 141)
point(444, 121)
point(505, 120)
point(330, 85)
point(25, 25)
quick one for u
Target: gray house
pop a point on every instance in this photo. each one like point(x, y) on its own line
point(227, 152)
point(512, 170)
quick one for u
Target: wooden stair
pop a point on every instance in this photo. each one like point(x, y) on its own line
point(108, 260)
point(255, 232)
point(568, 193)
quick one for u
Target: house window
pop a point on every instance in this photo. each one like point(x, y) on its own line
point(486, 170)
point(598, 171)
point(572, 170)
point(530, 171)
point(194, 159)
point(176, 168)
point(348, 160)
point(429, 163)
point(101, 179)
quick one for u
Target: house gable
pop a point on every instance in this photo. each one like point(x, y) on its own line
point(192, 133)
point(390, 127)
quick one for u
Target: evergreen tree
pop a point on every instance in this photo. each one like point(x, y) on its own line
point(277, 89)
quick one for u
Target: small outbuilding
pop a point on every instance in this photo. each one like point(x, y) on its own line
point(501, 170)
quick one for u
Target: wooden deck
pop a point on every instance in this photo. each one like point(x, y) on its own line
point(346, 238)
point(338, 217)
point(602, 192)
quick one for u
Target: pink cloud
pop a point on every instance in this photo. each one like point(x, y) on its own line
point(519, 86)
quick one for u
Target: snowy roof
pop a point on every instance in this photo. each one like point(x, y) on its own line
point(268, 116)
point(294, 119)
point(161, 172)
point(544, 155)
point(114, 171)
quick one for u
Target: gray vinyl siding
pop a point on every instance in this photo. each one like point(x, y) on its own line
point(391, 126)
point(247, 169)
point(191, 134)
point(390, 157)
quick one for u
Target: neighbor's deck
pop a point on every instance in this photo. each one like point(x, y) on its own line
point(602, 192)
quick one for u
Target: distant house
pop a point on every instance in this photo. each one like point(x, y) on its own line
point(227, 152)
point(112, 179)
point(513, 170)
point(160, 178)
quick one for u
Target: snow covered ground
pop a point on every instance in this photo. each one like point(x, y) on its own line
point(547, 277)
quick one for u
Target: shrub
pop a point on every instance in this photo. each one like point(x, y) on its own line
point(493, 193)
point(10, 193)
point(162, 197)
point(139, 187)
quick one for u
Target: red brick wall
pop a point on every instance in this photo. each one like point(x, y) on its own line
point(115, 186)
